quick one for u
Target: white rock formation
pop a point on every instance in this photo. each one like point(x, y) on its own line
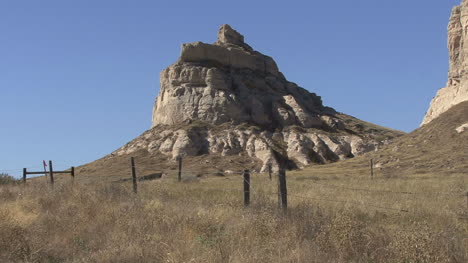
point(227, 99)
point(462, 128)
point(456, 90)
point(303, 148)
point(230, 82)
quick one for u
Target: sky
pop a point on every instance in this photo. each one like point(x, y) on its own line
point(78, 79)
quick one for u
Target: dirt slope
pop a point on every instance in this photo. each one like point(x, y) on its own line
point(436, 147)
point(115, 167)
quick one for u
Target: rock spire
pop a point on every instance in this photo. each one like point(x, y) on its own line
point(456, 90)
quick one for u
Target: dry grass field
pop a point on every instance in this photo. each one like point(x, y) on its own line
point(334, 215)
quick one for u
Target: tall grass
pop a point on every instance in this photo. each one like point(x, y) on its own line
point(7, 179)
point(203, 220)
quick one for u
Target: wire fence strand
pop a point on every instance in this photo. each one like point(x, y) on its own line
point(389, 191)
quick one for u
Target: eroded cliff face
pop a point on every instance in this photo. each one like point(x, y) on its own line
point(456, 90)
point(296, 146)
point(230, 82)
point(225, 99)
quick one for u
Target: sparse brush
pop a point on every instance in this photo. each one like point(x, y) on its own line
point(204, 220)
point(7, 179)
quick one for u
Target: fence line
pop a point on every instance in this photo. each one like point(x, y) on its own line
point(350, 202)
point(389, 191)
point(453, 194)
point(240, 191)
point(281, 193)
point(19, 170)
point(321, 199)
point(50, 173)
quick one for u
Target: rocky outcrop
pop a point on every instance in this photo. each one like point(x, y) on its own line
point(297, 145)
point(456, 90)
point(462, 128)
point(226, 99)
point(230, 82)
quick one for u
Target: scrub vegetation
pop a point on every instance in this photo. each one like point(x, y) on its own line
point(334, 215)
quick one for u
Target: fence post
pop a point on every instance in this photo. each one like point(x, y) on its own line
point(51, 173)
point(282, 190)
point(179, 176)
point(269, 170)
point(372, 168)
point(246, 188)
point(134, 179)
point(24, 175)
point(45, 169)
point(72, 173)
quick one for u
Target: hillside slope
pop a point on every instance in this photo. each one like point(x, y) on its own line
point(435, 147)
point(439, 147)
point(117, 166)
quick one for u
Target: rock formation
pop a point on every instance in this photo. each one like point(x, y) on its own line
point(226, 99)
point(230, 82)
point(456, 90)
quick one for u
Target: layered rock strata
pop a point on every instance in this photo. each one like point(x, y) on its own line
point(294, 145)
point(456, 90)
point(230, 82)
point(230, 100)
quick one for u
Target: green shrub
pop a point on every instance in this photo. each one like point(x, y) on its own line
point(7, 179)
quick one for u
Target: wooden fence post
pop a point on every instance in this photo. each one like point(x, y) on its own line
point(179, 176)
point(279, 188)
point(24, 175)
point(269, 170)
point(246, 188)
point(72, 173)
point(466, 199)
point(51, 173)
point(282, 190)
point(372, 168)
point(134, 179)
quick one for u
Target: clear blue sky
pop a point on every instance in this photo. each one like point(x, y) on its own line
point(78, 78)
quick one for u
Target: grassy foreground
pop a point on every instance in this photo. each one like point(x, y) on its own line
point(331, 218)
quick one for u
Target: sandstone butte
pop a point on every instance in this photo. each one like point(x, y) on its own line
point(456, 90)
point(226, 99)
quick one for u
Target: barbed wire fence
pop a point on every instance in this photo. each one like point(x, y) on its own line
point(282, 203)
point(247, 187)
